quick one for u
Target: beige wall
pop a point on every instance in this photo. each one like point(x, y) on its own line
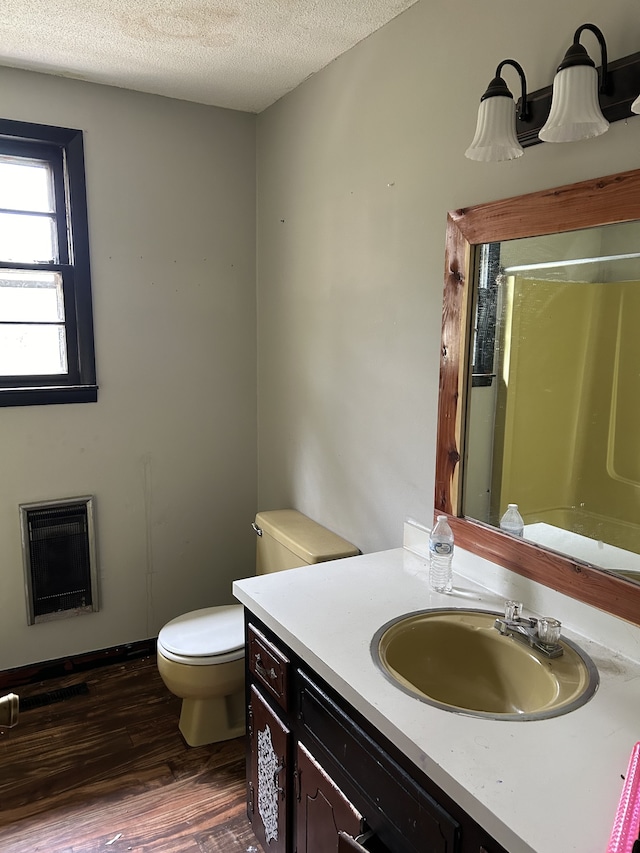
point(356, 170)
point(169, 448)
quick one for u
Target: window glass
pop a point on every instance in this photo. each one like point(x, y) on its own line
point(32, 334)
point(27, 239)
point(32, 349)
point(26, 185)
point(27, 296)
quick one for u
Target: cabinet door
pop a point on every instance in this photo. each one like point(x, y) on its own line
point(322, 810)
point(270, 748)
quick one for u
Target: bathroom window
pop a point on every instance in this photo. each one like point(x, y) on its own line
point(46, 322)
point(484, 326)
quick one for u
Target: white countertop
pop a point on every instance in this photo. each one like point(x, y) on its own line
point(592, 551)
point(544, 786)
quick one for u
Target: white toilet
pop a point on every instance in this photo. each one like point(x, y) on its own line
point(201, 654)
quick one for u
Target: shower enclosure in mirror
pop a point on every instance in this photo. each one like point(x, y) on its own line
point(540, 386)
point(553, 419)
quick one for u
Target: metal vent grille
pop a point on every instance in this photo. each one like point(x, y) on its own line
point(53, 696)
point(58, 546)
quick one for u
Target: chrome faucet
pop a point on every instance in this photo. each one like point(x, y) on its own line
point(542, 634)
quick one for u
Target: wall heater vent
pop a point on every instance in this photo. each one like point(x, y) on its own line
point(59, 553)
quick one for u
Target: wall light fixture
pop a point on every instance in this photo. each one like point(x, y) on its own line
point(575, 108)
point(581, 103)
point(495, 137)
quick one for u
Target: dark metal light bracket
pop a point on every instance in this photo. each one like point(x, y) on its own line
point(624, 85)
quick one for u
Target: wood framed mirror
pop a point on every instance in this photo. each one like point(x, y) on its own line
point(586, 205)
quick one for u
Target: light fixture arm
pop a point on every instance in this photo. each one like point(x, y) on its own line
point(577, 55)
point(499, 87)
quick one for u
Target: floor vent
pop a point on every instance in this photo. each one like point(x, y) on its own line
point(58, 547)
point(54, 696)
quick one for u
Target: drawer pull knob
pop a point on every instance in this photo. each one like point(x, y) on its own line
point(347, 842)
point(270, 674)
point(281, 791)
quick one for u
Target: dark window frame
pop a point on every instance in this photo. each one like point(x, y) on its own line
point(64, 148)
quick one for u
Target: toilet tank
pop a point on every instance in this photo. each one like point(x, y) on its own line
point(288, 539)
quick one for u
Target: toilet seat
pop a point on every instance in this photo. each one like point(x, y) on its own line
point(204, 637)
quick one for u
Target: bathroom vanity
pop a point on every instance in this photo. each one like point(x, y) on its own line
point(330, 780)
point(341, 748)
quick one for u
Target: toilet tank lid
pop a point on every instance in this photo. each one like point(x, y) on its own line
point(305, 537)
point(204, 633)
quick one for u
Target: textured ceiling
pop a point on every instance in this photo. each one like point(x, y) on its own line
point(241, 54)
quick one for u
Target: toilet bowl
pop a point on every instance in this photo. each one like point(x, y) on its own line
point(201, 660)
point(201, 654)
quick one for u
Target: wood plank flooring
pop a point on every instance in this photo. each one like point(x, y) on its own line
point(109, 771)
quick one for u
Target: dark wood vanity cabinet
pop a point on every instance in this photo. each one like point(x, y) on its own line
point(270, 742)
point(321, 779)
point(267, 784)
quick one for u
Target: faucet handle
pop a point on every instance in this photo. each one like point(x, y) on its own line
point(549, 630)
point(512, 610)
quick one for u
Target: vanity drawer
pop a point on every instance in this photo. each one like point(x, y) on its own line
point(420, 824)
point(268, 666)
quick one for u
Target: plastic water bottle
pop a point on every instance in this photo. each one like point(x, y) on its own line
point(441, 556)
point(511, 522)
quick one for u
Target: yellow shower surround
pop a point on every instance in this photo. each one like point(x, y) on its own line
point(569, 407)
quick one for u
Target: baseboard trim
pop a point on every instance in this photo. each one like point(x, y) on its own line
point(33, 673)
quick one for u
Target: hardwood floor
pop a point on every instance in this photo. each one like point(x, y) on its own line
point(108, 770)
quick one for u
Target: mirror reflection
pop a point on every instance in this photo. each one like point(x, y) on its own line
point(553, 408)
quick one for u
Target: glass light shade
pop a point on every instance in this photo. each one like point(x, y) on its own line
point(495, 137)
point(635, 106)
point(575, 109)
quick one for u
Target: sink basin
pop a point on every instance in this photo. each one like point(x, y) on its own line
point(456, 660)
